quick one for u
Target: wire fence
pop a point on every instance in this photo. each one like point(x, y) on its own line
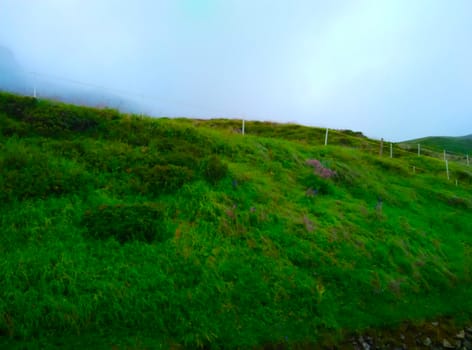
point(463, 158)
point(33, 86)
point(45, 85)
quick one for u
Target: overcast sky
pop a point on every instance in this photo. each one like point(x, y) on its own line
point(396, 69)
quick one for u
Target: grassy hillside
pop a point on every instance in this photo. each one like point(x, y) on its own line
point(461, 145)
point(117, 230)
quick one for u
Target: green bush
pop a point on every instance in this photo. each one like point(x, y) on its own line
point(57, 120)
point(10, 127)
point(27, 173)
point(464, 176)
point(454, 200)
point(180, 158)
point(162, 178)
point(320, 185)
point(352, 133)
point(16, 106)
point(214, 169)
point(46, 118)
point(315, 183)
point(126, 222)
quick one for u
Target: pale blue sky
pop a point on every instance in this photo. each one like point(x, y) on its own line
point(396, 69)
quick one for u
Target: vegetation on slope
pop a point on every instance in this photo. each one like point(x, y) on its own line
point(461, 145)
point(119, 230)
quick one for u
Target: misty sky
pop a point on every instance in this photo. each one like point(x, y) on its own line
point(396, 69)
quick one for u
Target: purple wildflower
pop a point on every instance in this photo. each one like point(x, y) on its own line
point(320, 169)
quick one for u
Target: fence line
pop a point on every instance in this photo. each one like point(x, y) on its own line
point(445, 155)
point(421, 150)
point(33, 89)
point(404, 150)
point(35, 92)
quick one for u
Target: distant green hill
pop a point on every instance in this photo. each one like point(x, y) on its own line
point(460, 145)
point(127, 232)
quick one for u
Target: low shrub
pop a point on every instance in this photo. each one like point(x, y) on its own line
point(56, 120)
point(10, 127)
point(180, 158)
point(353, 133)
point(16, 106)
point(464, 176)
point(319, 180)
point(317, 185)
point(126, 222)
point(47, 118)
point(454, 200)
point(162, 178)
point(27, 173)
point(214, 169)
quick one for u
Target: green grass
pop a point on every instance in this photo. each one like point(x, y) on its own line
point(134, 232)
point(461, 145)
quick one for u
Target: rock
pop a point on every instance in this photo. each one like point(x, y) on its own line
point(460, 335)
point(452, 338)
point(427, 341)
point(447, 345)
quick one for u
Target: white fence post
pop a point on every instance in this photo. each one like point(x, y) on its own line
point(326, 137)
point(447, 169)
point(391, 150)
point(242, 130)
point(35, 84)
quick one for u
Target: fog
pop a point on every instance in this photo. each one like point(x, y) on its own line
point(396, 69)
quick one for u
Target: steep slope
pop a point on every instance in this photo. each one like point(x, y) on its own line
point(185, 233)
